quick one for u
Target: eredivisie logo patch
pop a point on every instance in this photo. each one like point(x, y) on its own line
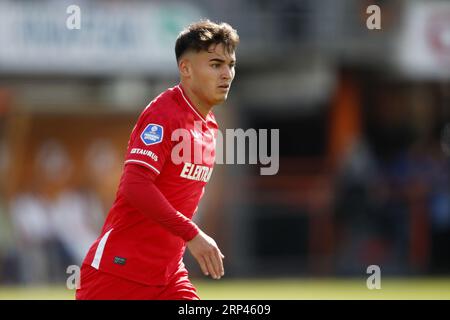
point(152, 134)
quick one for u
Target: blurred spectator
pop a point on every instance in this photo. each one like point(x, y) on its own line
point(359, 236)
point(51, 221)
point(393, 192)
point(7, 252)
point(103, 168)
point(39, 248)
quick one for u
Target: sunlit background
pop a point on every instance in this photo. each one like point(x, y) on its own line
point(364, 120)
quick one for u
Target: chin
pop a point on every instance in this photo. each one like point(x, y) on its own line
point(223, 98)
point(221, 101)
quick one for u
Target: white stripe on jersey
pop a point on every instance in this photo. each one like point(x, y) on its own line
point(144, 163)
point(187, 101)
point(99, 252)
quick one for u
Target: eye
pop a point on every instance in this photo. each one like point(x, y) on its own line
point(215, 65)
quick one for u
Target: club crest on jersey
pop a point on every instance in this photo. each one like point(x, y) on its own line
point(152, 134)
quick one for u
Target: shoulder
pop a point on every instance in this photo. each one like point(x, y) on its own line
point(165, 108)
point(164, 104)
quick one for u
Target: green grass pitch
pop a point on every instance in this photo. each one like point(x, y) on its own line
point(275, 289)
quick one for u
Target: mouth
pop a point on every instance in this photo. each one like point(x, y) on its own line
point(224, 86)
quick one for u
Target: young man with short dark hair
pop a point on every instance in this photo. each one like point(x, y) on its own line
point(139, 254)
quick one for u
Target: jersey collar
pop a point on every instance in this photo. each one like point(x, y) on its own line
point(190, 104)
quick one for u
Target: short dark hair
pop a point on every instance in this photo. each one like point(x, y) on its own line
point(199, 36)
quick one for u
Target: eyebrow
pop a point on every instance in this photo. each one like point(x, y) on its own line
point(220, 60)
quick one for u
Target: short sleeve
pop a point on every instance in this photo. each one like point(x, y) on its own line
point(150, 142)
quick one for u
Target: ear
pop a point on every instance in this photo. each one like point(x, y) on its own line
point(185, 67)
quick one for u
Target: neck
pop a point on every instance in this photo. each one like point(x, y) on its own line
point(200, 105)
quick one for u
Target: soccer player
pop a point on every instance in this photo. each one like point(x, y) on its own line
point(169, 160)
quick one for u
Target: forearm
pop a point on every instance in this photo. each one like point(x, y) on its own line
point(139, 189)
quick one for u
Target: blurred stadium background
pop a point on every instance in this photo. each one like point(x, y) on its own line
point(364, 119)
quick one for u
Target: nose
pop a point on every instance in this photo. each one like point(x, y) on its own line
point(227, 73)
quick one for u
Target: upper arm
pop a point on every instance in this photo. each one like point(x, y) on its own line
point(150, 143)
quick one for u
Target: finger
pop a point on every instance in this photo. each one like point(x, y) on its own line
point(219, 262)
point(220, 253)
point(210, 266)
point(203, 266)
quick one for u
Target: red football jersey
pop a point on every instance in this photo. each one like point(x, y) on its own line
point(177, 143)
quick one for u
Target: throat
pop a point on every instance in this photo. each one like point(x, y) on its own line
point(197, 103)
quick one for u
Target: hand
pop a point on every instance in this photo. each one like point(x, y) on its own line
point(208, 255)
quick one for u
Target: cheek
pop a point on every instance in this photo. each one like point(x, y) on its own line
point(206, 80)
point(204, 75)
